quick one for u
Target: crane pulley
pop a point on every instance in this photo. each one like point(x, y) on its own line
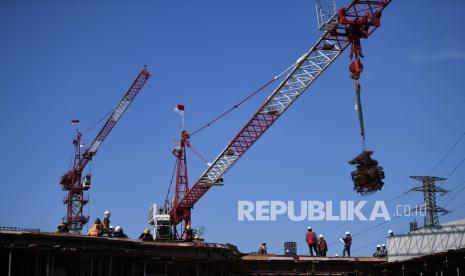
point(73, 181)
point(368, 177)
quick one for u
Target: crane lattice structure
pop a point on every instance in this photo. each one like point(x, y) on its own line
point(430, 208)
point(364, 14)
point(73, 181)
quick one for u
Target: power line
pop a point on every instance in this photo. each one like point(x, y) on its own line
point(447, 154)
point(243, 100)
point(445, 129)
point(456, 167)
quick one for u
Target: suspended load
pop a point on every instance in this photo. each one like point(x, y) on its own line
point(368, 177)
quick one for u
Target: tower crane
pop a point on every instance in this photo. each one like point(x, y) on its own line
point(338, 35)
point(73, 181)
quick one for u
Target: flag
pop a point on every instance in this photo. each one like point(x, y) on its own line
point(179, 109)
point(75, 122)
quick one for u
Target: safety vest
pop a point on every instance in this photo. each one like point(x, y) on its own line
point(94, 230)
point(322, 245)
point(310, 237)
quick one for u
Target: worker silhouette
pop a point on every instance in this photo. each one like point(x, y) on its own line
point(146, 236)
point(322, 246)
point(262, 248)
point(310, 238)
point(347, 244)
point(187, 235)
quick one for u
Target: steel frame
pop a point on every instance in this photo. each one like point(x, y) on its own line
point(305, 72)
point(71, 180)
point(429, 190)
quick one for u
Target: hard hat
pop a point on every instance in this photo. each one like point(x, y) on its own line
point(320, 236)
point(98, 221)
point(118, 228)
point(146, 230)
point(264, 243)
point(383, 245)
point(111, 227)
point(378, 245)
point(106, 213)
point(309, 228)
point(188, 227)
point(390, 231)
point(336, 255)
point(347, 233)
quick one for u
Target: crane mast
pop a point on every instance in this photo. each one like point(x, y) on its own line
point(306, 70)
point(72, 181)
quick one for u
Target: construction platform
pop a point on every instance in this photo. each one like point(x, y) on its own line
point(28, 253)
point(35, 253)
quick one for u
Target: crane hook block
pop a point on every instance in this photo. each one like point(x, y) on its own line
point(356, 69)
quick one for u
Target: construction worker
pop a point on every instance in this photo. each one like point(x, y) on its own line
point(106, 220)
point(119, 233)
point(383, 251)
point(378, 251)
point(187, 234)
point(390, 233)
point(262, 248)
point(311, 239)
point(322, 246)
point(347, 244)
point(63, 227)
point(97, 229)
point(146, 236)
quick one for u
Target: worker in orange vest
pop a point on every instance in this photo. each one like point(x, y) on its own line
point(322, 246)
point(96, 229)
point(310, 237)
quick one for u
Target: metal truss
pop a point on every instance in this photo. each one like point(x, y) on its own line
point(115, 115)
point(427, 241)
point(430, 207)
point(71, 181)
point(306, 70)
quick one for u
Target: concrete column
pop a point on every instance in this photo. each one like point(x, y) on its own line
point(9, 264)
point(110, 266)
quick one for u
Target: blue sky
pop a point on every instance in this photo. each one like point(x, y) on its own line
point(61, 60)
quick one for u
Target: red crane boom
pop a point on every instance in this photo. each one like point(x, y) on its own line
point(71, 180)
point(305, 72)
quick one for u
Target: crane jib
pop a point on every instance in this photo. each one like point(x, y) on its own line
point(306, 70)
point(114, 117)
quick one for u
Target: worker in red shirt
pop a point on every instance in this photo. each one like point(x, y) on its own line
point(311, 239)
point(322, 246)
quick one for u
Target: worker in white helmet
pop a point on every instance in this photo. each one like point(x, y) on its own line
point(347, 244)
point(106, 221)
point(390, 233)
point(119, 233)
point(322, 246)
point(378, 250)
point(310, 238)
point(383, 251)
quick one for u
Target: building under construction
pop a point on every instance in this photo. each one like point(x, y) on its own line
point(432, 250)
point(419, 252)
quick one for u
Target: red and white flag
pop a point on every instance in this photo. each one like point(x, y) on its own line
point(75, 122)
point(179, 109)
